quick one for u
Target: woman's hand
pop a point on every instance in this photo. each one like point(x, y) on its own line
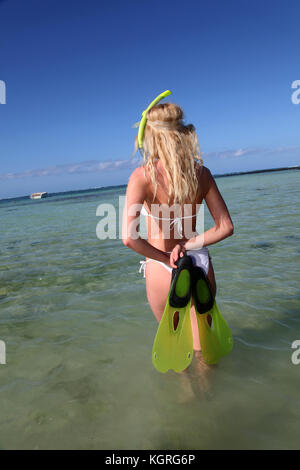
point(177, 252)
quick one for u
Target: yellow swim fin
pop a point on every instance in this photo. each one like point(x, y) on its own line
point(173, 343)
point(215, 340)
point(221, 330)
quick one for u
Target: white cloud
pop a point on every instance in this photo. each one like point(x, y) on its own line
point(92, 166)
point(231, 154)
point(82, 167)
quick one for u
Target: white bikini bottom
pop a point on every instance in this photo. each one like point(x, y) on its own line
point(200, 258)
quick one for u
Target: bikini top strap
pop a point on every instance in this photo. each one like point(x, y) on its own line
point(148, 214)
point(176, 222)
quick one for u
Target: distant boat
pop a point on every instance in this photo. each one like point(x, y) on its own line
point(38, 195)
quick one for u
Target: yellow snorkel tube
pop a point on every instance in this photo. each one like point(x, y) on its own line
point(144, 118)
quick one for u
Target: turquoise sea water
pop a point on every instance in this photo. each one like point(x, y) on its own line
point(79, 332)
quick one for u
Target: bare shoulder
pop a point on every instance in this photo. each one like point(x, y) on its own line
point(138, 174)
point(137, 186)
point(206, 180)
point(137, 177)
point(205, 173)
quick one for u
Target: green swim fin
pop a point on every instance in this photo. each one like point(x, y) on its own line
point(221, 330)
point(173, 346)
point(216, 341)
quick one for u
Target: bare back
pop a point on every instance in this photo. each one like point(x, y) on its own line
point(189, 212)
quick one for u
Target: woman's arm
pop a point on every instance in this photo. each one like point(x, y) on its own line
point(135, 197)
point(223, 227)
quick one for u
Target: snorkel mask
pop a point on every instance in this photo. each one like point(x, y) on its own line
point(143, 121)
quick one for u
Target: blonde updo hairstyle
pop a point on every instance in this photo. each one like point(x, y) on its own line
point(176, 145)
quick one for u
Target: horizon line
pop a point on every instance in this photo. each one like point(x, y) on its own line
point(216, 175)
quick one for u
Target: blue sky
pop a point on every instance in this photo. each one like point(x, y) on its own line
point(78, 74)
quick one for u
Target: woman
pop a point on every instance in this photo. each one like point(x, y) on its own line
point(172, 176)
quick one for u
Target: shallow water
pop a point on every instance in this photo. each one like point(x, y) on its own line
point(79, 332)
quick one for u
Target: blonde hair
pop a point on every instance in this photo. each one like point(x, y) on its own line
point(176, 145)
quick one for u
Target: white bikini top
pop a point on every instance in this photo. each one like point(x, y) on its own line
point(176, 222)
